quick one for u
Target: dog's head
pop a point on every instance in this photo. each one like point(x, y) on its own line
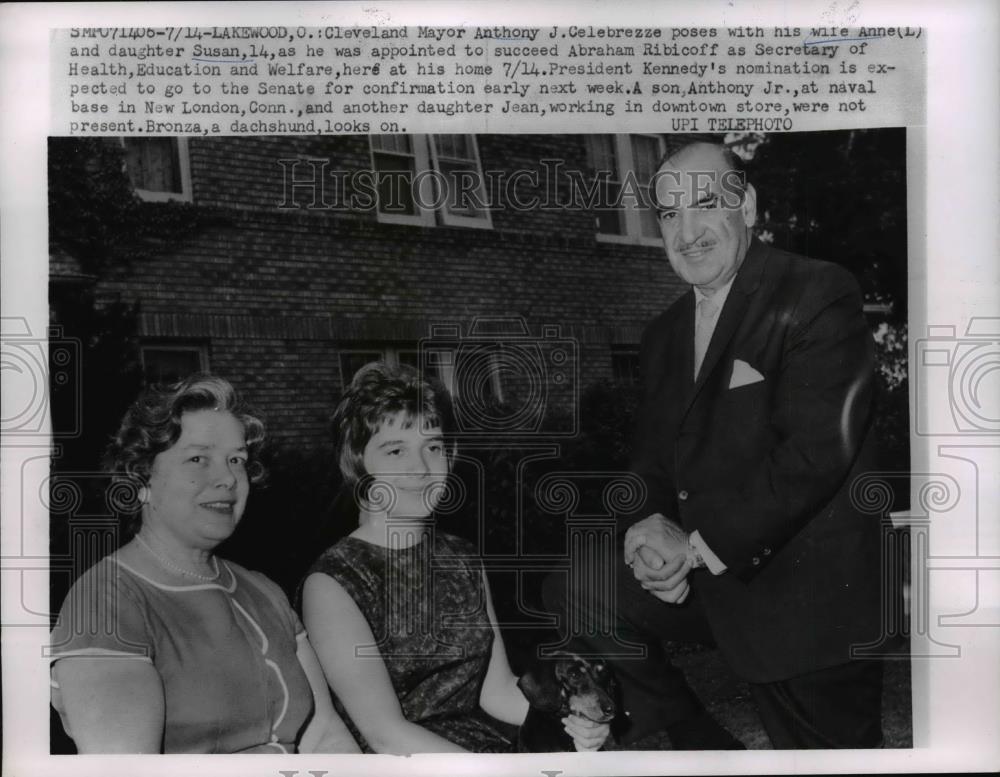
point(567, 683)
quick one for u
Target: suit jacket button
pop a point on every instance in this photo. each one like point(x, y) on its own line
point(767, 551)
point(682, 495)
point(755, 561)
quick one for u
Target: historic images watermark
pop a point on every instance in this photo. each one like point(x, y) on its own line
point(309, 184)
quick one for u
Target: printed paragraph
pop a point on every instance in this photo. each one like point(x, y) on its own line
point(309, 80)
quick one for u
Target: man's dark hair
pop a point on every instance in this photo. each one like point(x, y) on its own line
point(677, 143)
point(733, 184)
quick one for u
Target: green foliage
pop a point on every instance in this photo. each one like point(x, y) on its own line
point(607, 412)
point(106, 339)
point(839, 196)
point(504, 479)
point(892, 412)
point(890, 354)
point(95, 215)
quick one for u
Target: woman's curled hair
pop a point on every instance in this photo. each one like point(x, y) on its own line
point(153, 424)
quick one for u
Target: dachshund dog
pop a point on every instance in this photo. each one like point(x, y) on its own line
point(558, 686)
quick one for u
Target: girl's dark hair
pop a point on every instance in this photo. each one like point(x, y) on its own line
point(376, 393)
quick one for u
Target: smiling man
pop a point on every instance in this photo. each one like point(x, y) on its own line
point(706, 210)
point(754, 423)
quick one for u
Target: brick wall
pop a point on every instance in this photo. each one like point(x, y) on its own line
point(274, 293)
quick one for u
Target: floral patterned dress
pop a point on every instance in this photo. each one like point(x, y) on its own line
point(426, 606)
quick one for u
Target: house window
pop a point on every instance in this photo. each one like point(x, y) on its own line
point(603, 159)
point(625, 366)
point(353, 359)
point(623, 166)
point(479, 372)
point(429, 179)
point(163, 364)
point(159, 168)
point(474, 372)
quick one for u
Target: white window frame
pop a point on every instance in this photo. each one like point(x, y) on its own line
point(425, 158)
point(452, 219)
point(424, 217)
point(200, 350)
point(184, 166)
point(626, 168)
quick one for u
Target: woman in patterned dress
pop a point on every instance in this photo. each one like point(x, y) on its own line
point(162, 647)
point(399, 613)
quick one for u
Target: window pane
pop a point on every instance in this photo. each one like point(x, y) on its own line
point(169, 365)
point(456, 159)
point(477, 378)
point(394, 179)
point(395, 144)
point(444, 145)
point(412, 358)
point(465, 188)
point(153, 164)
point(352, 361)
point(625, 366)
point(455, 146)
point(602, 157)
point(610, 221)
point(648, 221)
point(646, 152)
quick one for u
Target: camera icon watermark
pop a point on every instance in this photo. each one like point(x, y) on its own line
point(959, 389)
point(506, 382)
point(33, 368)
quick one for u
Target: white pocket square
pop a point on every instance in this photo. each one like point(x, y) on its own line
point(743, 374)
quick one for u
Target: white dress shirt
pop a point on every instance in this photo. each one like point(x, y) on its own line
point(713, 563)
point(705, 326)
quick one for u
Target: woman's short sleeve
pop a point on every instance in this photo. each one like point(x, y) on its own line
point(101, 616)
point(272, 591)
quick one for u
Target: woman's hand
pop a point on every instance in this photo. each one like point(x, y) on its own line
point(587, 735)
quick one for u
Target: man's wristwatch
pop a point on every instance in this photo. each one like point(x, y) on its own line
point(692, 553)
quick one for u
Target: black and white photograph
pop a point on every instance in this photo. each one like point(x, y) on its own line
point(621, 444)
point(491, 451)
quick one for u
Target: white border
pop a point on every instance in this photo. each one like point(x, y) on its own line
point(954, 276)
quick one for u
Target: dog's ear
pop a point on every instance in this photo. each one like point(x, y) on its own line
point(540, 688)
point(568, 669)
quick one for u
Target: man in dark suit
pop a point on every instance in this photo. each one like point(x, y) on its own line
point(757, 388)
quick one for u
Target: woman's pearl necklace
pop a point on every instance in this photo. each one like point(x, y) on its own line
point(174, 568)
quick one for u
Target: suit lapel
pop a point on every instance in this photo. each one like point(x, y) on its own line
point(745, 284)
